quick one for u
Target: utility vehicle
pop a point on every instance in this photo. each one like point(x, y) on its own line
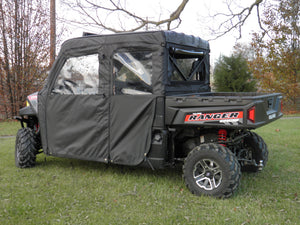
point(144, 99)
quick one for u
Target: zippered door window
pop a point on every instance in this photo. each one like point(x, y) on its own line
point(78, 76)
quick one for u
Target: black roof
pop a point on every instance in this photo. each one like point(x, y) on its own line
point(149, 37)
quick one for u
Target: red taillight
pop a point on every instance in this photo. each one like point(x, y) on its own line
point(281, 106)
point(251, 114)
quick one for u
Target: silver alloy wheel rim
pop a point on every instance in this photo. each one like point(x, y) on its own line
point(207, 174)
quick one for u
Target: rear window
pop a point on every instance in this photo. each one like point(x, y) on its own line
point(187, 65)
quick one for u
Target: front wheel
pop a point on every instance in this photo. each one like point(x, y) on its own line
point(25, 149)
point(212, 169)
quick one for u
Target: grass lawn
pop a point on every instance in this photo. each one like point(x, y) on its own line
point(65, 191)
point(9, 128)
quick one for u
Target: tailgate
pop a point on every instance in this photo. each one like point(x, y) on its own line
point(264, 110)
point(245, 110)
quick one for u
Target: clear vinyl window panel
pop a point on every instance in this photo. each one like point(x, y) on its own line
point(187, 65)
point(78, 76)
point(133, 73)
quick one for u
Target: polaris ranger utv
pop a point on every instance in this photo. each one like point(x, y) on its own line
point(144, 99)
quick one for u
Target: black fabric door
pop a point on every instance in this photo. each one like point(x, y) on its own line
point(132, 106)
point(77, 111)
point(131, 128)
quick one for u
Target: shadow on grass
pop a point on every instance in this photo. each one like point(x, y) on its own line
point(49, 162)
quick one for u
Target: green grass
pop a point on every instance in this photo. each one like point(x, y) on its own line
point(292, 115)
point(65, 191)
point(9, 127)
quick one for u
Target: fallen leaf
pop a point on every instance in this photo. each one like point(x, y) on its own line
point(248, 221)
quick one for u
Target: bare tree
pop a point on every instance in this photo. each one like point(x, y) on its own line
point(92, 13)
point(233, 18)
point(96, 14)
point(24, 51)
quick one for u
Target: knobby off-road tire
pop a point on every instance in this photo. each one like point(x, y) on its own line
point(211, 169)
point(258, 151)
point(25, 149)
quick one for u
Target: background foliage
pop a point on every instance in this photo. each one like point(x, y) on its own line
point(276, 62)
point(231, 74)
point(24, 49)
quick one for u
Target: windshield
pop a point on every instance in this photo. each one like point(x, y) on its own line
point(187, 65)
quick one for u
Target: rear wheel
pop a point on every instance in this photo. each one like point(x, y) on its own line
point(212, 169)
point(257, 151)
point(25, 149)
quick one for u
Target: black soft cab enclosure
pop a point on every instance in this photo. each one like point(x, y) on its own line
point(101, 96)
point(145, 99)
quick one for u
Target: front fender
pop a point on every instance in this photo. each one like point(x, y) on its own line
point(27, 111)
